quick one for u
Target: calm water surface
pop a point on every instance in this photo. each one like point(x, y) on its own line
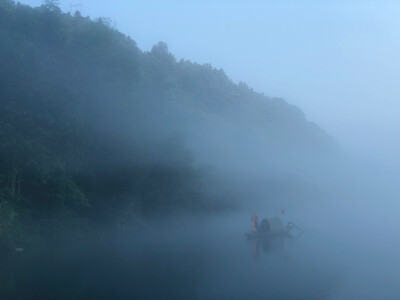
point(341, 255)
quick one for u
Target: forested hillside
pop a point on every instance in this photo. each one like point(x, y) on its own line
point(92, 129)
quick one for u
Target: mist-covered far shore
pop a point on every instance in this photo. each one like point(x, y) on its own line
point(93, 129)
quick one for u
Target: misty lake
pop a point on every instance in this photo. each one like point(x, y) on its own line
point(210, 258)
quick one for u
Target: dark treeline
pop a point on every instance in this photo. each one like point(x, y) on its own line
point(91, 127)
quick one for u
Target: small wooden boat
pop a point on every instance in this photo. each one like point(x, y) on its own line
point(273, 227)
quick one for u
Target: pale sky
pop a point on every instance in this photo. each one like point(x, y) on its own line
point(337, 60)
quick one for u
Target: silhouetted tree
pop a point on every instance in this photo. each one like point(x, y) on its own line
point(53, 5)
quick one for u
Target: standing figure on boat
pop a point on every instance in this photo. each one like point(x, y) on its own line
point(254, 222)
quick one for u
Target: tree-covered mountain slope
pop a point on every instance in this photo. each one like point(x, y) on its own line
point(93, 128)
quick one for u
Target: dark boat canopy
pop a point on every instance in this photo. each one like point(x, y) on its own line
point(272, 225)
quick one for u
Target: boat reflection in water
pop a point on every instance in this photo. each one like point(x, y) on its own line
point(269, 244)
point(270, 236)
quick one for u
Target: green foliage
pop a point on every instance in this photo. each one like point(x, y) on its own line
point(7, 215)
point(87, 118)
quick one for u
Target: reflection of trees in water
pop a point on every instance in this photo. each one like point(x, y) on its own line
point(7, 276)
point(101, 271)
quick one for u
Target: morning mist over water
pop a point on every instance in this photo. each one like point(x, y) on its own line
point(202, 150)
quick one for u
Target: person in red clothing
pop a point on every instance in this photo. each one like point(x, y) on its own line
point(254, 222)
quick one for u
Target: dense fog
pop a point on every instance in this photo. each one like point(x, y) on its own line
point(128, 172)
